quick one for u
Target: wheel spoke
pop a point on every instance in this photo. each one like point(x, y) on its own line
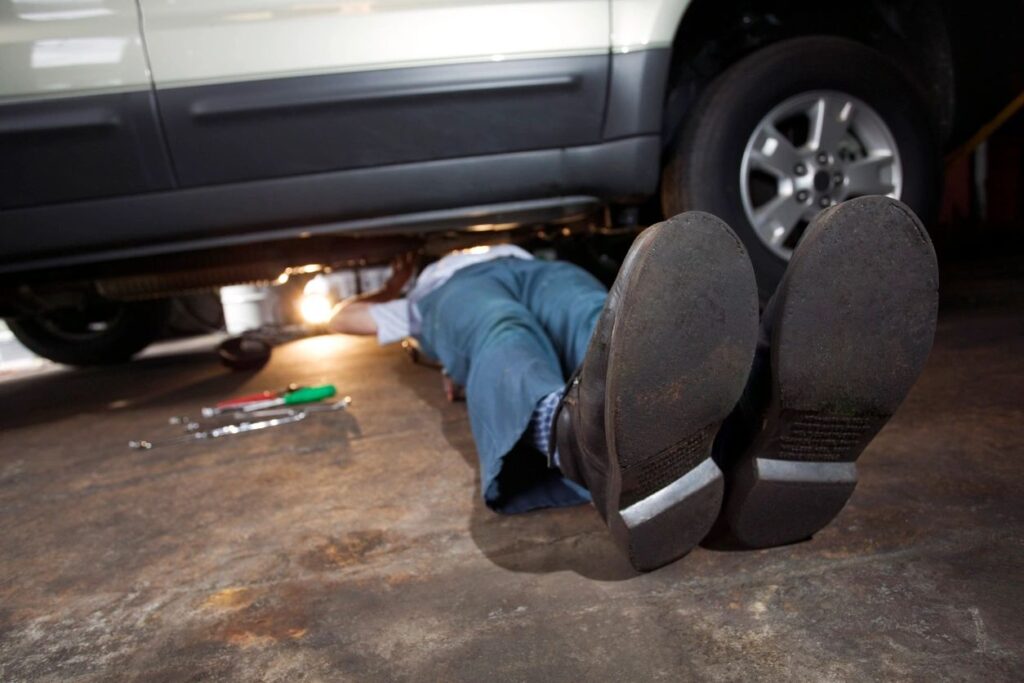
point(872, 175)
point(830, 121)
point(773, 153)
point(775, 220)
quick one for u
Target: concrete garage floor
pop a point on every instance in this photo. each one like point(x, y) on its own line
point(355, 546)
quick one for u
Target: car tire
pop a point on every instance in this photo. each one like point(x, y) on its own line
point(712, 164)
point(73, 338)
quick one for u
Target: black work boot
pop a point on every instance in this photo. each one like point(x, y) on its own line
point(843, 340)
point(668, 360)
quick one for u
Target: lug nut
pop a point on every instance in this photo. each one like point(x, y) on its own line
point(800, 169)
point(823, 158)
point(838, 179)
point(824, 202)
point(801, 196)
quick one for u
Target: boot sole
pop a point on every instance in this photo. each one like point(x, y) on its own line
point(857, 311)
point(680, 352)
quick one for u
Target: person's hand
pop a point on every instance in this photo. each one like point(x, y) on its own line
point(402, 268)
point(452, 391)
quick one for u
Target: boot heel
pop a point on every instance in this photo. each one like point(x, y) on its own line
point(665, 524)
point(784, 501)
point(800, 477)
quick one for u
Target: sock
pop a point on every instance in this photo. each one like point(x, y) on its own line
point(541, 421)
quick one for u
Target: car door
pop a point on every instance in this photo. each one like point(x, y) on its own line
point(252, 89)
point(77, 115)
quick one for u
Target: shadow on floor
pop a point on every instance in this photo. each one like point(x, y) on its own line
point(193, 375)
point(543, 541)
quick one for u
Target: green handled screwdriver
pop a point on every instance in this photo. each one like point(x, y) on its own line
point(303, 395)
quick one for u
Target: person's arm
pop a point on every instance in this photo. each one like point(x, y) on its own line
point(352, 316)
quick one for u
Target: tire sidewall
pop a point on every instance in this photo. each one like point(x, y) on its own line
point(709, 156)
point(137, 326)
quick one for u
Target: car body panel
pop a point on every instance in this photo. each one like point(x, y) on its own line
point(212, 41)
point(335, 202)
point(310, 124)
point(645, 24)
point(70, 47)
point(325, 141)
point(64, 149)
point(77, 114)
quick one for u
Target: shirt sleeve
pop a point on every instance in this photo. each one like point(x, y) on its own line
point(392, 318)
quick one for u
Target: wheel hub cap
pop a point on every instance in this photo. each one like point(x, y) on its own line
point(822, 181)
point(810, 152)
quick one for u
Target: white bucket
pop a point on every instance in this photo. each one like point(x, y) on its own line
point(247, 307)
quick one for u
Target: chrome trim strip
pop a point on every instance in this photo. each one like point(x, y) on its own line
point(214, 107)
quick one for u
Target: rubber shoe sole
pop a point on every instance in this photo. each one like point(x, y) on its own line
point(681, 348)
point(856, 315)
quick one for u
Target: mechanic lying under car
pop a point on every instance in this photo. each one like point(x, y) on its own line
point(669, 401)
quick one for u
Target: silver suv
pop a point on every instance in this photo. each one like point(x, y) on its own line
point(152, 147)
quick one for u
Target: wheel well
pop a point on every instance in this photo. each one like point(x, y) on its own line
point(714, 35)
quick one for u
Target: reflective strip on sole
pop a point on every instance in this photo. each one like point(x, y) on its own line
point(806, 472)
point(661, 501)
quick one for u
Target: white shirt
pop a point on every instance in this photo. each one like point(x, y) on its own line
point(400, 318)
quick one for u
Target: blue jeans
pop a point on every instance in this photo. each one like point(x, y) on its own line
point(511, 331)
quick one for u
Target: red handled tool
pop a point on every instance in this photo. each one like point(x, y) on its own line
point(240, 402)
point(248, 398)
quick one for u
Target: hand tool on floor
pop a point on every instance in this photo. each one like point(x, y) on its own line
point(237, 402)
point(225, 430)
point(291, 397)
point(310, 408)
point(269, 417)
point(298, 397)
point(325, 407)
point(259, 396)
point(195, 424)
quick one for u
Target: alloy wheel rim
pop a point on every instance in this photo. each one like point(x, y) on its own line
point(808, 153)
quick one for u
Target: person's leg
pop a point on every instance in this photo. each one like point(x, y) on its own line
point(567, 302)
point(491, 344)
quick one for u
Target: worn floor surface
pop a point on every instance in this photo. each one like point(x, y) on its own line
point(355, 547)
